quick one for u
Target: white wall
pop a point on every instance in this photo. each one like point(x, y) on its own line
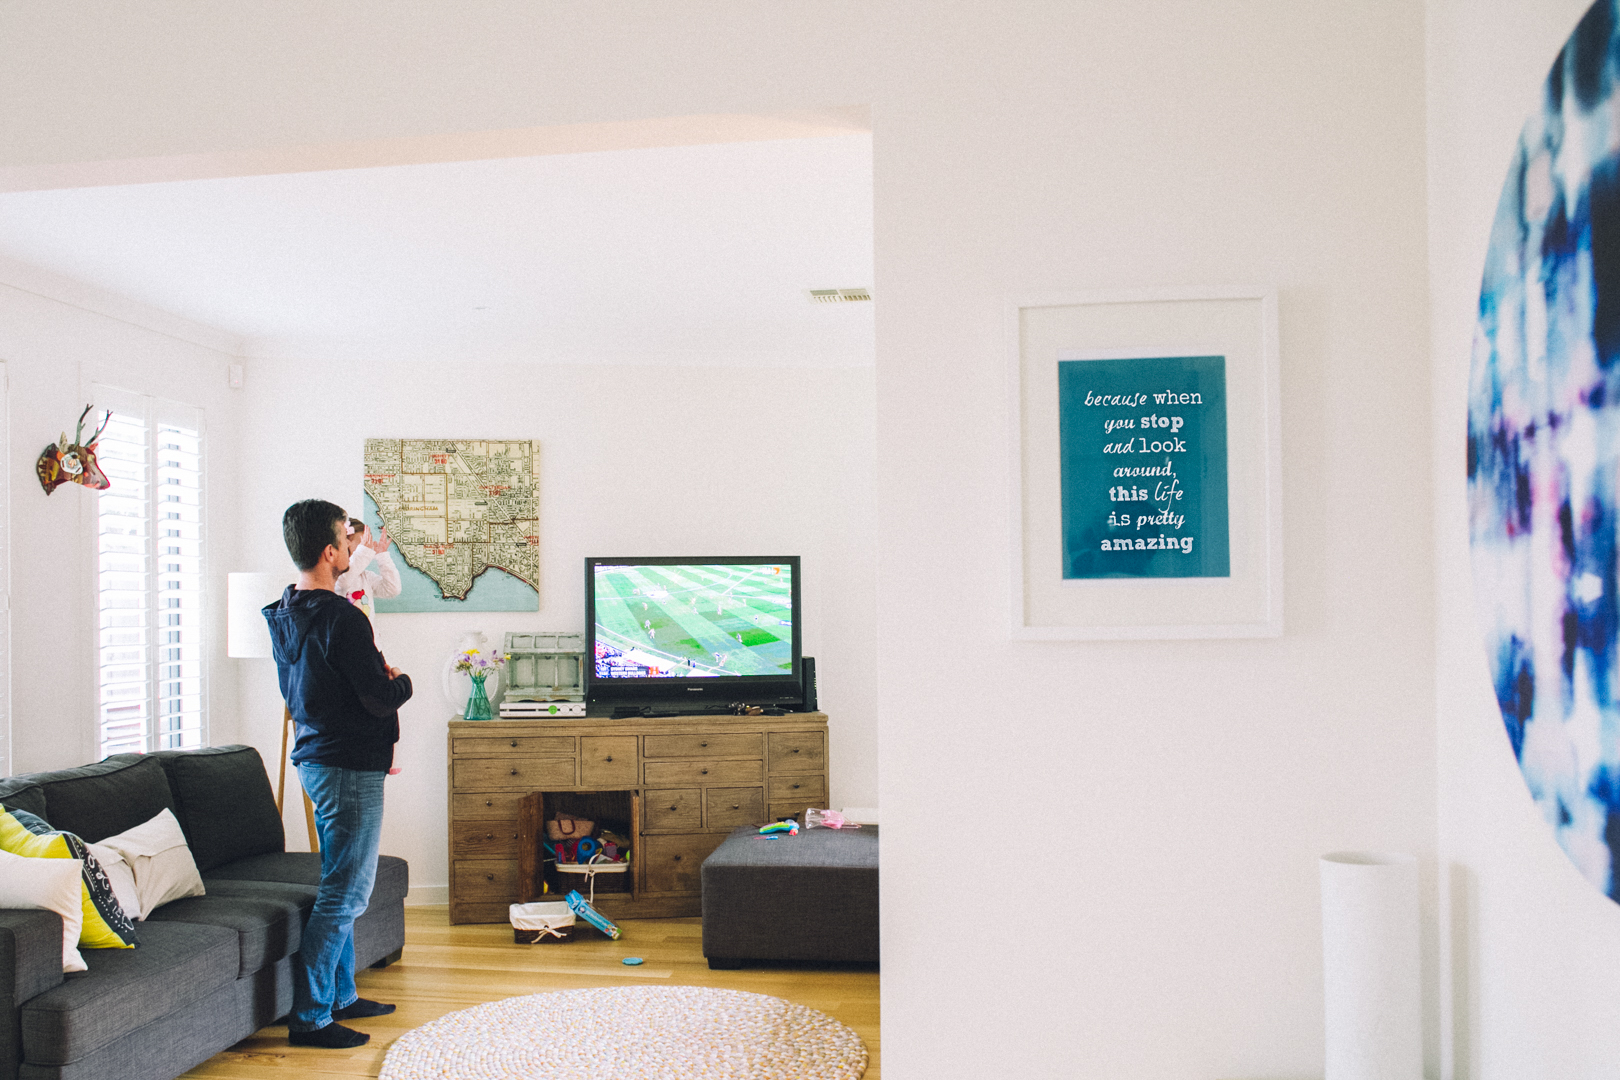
point(652, 460)
point(1179, 794)
point(1532, 950)
point(1171, 798)
point(54, 351)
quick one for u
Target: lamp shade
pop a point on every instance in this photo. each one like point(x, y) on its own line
point(247, 635)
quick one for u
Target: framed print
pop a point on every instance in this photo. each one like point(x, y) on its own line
point(1146, 457)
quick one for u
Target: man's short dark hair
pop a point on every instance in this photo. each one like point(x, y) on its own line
point(308, 527)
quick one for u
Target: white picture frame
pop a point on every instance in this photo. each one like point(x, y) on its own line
point(1239, 324)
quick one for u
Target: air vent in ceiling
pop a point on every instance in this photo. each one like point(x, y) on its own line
point(839, 296)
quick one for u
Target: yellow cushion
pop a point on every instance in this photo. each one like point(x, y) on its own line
point(105, 924)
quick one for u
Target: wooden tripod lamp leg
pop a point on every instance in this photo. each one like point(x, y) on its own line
point(281, 783)
point(281, 777)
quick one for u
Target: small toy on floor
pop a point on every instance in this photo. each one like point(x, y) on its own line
point(584, 910)
point(776, 828)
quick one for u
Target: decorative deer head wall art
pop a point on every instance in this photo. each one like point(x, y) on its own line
point(74, 462)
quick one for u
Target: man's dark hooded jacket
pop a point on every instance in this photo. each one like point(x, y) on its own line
point(334, 681)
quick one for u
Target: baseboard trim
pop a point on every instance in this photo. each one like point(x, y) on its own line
point(427, 895)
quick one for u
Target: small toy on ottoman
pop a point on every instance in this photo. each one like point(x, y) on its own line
point(813, 896)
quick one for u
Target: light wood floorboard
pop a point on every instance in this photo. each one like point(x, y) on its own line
point(446, 968)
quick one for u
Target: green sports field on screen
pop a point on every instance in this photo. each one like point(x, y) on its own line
point(693, 620)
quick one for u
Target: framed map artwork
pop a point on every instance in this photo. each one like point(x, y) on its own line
point(463, 515)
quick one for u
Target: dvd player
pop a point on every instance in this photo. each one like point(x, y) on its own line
point(625, 712)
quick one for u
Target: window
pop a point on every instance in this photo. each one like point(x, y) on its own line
point(5, 586)
point(149, 591)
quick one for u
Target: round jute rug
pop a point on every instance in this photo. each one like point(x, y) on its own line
point(640, 1032)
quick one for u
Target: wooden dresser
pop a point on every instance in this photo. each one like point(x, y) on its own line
point(691, 779)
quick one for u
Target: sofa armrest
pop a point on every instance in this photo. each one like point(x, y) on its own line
point(30, 964)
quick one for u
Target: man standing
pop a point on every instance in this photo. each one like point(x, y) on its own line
point(344, 699)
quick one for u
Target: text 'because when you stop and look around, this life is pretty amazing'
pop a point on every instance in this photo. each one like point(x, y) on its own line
point(1143, 467)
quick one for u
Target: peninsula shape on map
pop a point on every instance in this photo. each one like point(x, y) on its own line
point(493, 590)
point(464, 516)
point(693, 620)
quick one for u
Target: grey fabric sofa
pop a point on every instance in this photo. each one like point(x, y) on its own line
point(210, 970)
point(810, 897)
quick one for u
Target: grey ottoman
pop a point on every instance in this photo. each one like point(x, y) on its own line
point(813, 896)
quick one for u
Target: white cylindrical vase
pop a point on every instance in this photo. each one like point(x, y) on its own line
point(1371, 967)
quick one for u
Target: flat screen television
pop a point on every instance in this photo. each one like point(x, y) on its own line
point(692, 634)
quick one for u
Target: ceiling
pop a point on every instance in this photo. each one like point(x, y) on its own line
point(670, 254)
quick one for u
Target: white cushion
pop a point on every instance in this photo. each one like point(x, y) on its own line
point(157, 853)
point(122, 876)
point(47, 885)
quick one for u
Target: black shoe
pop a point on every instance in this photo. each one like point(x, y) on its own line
point(360, 1009)
point(330, 1037)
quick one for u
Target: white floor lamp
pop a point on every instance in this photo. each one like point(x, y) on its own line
point(247, 637)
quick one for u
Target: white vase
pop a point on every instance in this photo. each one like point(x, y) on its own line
point(1371, 968)
point(458, 684)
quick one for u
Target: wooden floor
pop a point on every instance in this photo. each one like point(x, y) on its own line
point(446, 968)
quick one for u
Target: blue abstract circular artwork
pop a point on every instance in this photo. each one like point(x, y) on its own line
point(1544, 450)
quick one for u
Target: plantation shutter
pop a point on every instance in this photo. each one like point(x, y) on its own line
point(5, 585)
point(150, 543)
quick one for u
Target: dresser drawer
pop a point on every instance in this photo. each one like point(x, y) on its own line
point(672, 862)
point(697, 746)
point(537, 746)
point(607, 761)
point(512, 774)
point(489, 839)
point(485, 880)
point(795, 751)
point(813, 789)
point(701, 773)
point(491, 912)
point(728, 807)
point(485, 804)
point(780, 810)
point(672, 810)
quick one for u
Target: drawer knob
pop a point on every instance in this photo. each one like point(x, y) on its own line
point(736, 806)
point(489, 802)
point(674, 808)
point(514, 772)
point(677, 858)
point(703, 772)
point(704, 745)
point(489, 877)
point(491, 836)
point(607, 759)
point(795, 749)
point(514, 743)
point(795, 787)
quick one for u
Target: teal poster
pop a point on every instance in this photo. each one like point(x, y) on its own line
point(1143, 455)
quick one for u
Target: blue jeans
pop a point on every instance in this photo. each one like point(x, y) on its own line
point(348, 819)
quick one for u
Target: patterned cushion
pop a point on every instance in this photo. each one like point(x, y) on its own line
point(32, 822)
point(105, 924)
